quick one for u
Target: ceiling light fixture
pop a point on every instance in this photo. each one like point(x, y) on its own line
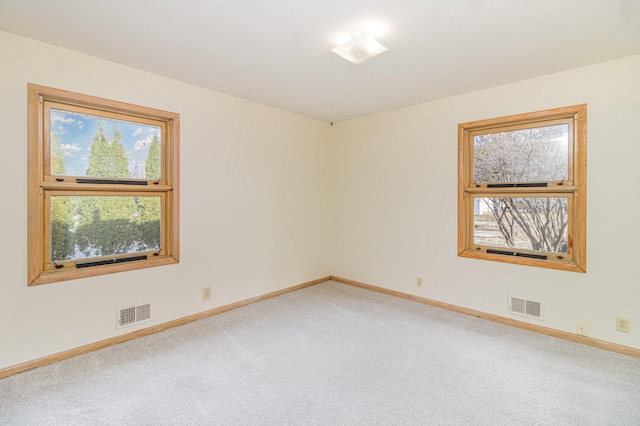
point(359, 48)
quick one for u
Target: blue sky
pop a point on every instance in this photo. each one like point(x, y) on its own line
point(76, 133)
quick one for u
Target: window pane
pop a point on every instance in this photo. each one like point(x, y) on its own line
point(537, 154)
point(93, 146)
point(94, 226)
point(535, 223)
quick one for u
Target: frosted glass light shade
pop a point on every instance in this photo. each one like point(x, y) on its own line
point(359, 48)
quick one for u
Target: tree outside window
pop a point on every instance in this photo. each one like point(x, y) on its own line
point(105, 188)
point(522, 189)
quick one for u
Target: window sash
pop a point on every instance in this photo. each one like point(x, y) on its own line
point(566, 255)
point(51, 264)
point(48, 105)
point(470, 151)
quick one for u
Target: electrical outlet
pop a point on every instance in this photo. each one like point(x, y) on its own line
point(419, 281)
point(622, 324)
point(582, 328)
point(206, 293)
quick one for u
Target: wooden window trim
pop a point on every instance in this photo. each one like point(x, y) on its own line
point(574, 188)
point(41, 185)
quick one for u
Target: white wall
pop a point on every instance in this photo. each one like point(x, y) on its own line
point(395, 202)
point(256, 189)
point(255, 204)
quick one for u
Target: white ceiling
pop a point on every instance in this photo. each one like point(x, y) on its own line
point(277, 52)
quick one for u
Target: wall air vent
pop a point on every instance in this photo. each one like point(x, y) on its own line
point(132, 315)
point(526, 307)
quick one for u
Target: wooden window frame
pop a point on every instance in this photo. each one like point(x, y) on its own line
point(42, 185)
point(574, 188)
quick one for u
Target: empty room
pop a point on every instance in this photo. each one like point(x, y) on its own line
point(320, 213)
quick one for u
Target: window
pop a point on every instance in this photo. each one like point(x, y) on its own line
point(103, 186)
point(522, 189)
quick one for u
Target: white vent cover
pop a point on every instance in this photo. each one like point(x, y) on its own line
point(526, 307)
point(133, 315)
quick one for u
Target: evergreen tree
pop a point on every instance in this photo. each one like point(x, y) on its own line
point(118, 161)
point(58, 168)
point(153, 166)
point(149, 208)
point(61, 219)
point(112, 229)
point(108, 223)
point(99, 162)
point(149, 223)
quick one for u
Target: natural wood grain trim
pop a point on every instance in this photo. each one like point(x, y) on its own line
point(89, 101)
point(173, 168)
point(576, 118)
point(529, 117)
point(601, 344)
point(50, 359)
point(41, 99)
point(35, 161)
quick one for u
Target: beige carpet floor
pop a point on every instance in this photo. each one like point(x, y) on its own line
point(332, 354)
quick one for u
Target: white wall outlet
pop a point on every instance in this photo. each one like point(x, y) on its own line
point(622, 324)
point(206, 293)
point(419, 282)
point(582, 328)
